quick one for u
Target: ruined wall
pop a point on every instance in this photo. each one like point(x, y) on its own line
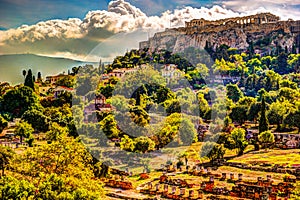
point(252, 19)
point(295, 26)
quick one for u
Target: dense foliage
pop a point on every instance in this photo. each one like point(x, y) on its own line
point(147, 115)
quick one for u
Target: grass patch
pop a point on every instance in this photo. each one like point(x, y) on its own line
point(271, 156)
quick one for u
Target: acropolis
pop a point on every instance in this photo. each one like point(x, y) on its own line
point(234, 32)
point(252, 19)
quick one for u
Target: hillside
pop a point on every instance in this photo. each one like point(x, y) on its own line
point(11, 66)
point(263, 32)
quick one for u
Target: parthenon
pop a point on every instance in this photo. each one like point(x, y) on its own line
point(261, 18)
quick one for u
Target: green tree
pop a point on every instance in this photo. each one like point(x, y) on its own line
point(188, 154)
point(266, 138)
point(263, 120)
point(144, 144)
point(107, 90)
point(212, 150)
point(169, 130)
point(67, 81)
point(293, 117)
point(84, 85)
point(227, 123)
point(30, 140)
point(239, 114)
point(223, 67)
point(93, 131)
point(289, 94)
point(166, 135)
point(281, 66)
point(238, 140)
point(271, 80)
point(139, 116)
point(294, 62)
point(109, 127)
point(120, 102)
point(39, 76)
point(60, 170)
point(188, 133)
point(172, 106)
point(246, 101)
point(251, 82)
point(288, 84)
point(19, 100)
point(3, 123)
point(29, 80)
point(37, 120)
point(14, 188)
point(6, 156)
point(253, 111)
point(127, 144)
point(233, 92)
point(202, 69)
point(269, 96)
point(277, 112)
point(4, 87)
point(267, 61)
point(56, 132)
point(63, 98)
point(23, 129)
point(254, 65)
point(203, 104)
point(58, 114)
point(162, 94)
point(24, 73)
point(240, 65)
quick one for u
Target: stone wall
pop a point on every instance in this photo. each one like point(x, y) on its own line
point(295, 27)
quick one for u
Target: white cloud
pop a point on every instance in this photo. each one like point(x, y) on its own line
point(283, 8)
point(120, 17)
point(43, 30)
point(76, 37)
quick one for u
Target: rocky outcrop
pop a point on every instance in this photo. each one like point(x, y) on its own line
point(235, 35)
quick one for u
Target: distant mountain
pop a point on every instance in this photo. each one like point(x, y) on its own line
point(11, 66)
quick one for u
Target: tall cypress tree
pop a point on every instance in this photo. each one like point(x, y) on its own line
point(29, 80)
point(39, 76)
point(263, 121)
point(138, 97)
point(24, 73)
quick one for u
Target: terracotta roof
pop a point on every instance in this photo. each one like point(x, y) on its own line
point(60, 75)
point(59, 88)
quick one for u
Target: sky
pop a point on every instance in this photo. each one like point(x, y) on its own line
point(87, 29)
point(14, 13)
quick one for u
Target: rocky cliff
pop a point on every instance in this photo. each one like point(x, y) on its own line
point(266, 37)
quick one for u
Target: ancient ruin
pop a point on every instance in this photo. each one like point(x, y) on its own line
point(234, 32)
point(261, 18)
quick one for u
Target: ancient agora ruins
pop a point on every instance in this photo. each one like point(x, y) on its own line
point(205, 182)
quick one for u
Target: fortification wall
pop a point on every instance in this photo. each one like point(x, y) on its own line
point(295, 26)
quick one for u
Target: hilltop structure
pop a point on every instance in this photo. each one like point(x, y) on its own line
point(235, 32)
point(262, 18)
